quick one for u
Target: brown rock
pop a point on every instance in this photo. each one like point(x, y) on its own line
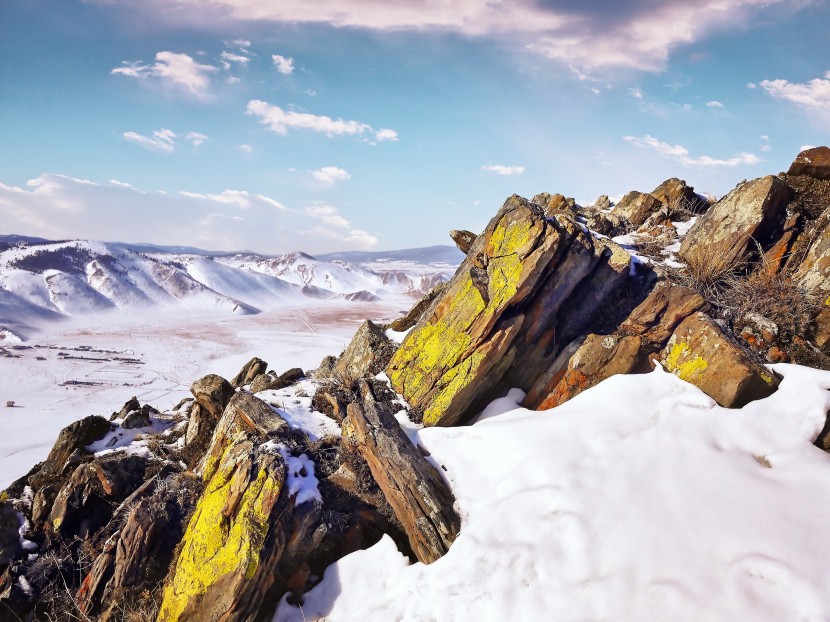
point(701, 353)
point(663, 309)
point(602, 202)
point(73, 438)
point(730, 229)
point(814, 272)
point(676, 195)
point(635, 208)
point(463, 239)
point(213, 393)
point(759, 332)
point(419, 496)
point(814, 162)
point(249, 371)
point(368, 353)
point(822, 328)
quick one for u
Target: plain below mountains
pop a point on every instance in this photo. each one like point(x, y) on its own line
point(42, 280)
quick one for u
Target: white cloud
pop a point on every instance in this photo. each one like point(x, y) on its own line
point(814, 94)
point(171, 69)
point(330, 174)
point(635, 93)
point(500, 169)
point(244, 44)
point(310, 92)
point(233, 80)
point(284, 65)
point(237, 198)
point(766, 148)
point(162, 140)
point(337, 226)
point(386, 134)
point(245, 149)
point(280, 121)
point(715, 104)
point(230, 57)
point(327, 214)
point(196, 139)
point(764, 137)
point(681, 154)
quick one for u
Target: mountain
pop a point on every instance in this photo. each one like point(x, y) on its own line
point(42, 280)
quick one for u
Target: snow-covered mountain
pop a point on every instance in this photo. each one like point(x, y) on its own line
point(41, 281)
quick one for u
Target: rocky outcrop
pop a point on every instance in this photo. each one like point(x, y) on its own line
point(635, 208)
point(814, 272)
point(677, 196)
point(249, 371)
point(417, 312)
point(272, 382)
point(463, 239)
point(420, 497)
point(702, 354)
point(213, 393)
point(664, 308)
point(814, 162)
point(731, 228)
point(367, 354)
point(71, 442)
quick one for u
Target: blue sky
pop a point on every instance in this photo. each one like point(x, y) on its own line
point(365, 124)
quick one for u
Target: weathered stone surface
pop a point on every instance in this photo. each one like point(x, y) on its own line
point(822, 330)
point(636, 207)
point(463, 239)
point(447, 360)
point(777, 255)
point(272, 382)
point(76, 436)
point(676, 195)
point(10, 523)
point(417, 312)
point(249, 371)
point(326, 368)
point(131, 405)
point(603, 223)
point(419, 496)
point(368, 353)
point(664, 308)
point(137, 419)
point(213, 393)
point(759, 332)
point(814, 162)
point(730, 229)
point(598, 358)
point(814, 272)
point(700, 352)
point(602, 202)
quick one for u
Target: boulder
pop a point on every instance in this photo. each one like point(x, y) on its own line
point(368, 353)
point(814, 162)
point(599, 357)
point(448, 359)
point(776, 257)
point(822, 327)
point(635, 208)
point(10, 523)
point(664, 308)
point(73, 438)
point(814, 272)
point(272, 382)
point(602, 203)
point(417, 312)
point(463, 239)
point(701, 353)
point(606, 224)
point(730, 229)
point(676, 195)
point(419, 496)
point(131, 405)
point(213, 393)
point(249, 371)
point(137, 419)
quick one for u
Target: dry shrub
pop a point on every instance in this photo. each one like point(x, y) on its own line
point(712, 275)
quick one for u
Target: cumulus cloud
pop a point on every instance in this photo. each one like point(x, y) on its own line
point(330, 174)
point(280, 121)
point(586, 36)
point(162, 140)
point(231, 57)
point(386, 134)
point(171, 69)
point(61, 207)
point(681, 154)
point(813, 94)
point(500, 169)
point(284, 65)
point(715, 104)
point(196, 138)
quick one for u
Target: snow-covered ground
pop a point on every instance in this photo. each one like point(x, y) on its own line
point(92, 365)
point(640, 499)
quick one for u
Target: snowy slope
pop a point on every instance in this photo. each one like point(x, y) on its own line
point(663, 507)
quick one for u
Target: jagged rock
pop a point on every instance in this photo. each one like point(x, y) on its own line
point(814, 162)
point(74, 437)
point(676, 195)
point(635, 207)
point(463, 239)
point(10, 523)
point(602, 203)
point(368, 353)
point(701, 353)
point(557, 204)
point(814, 272)
point(137, 419)
point(445, 361)
point(664, 308)
point(272, 382)
point(603, 223)
point(325, 370)
point(822, 328)
point(131, 405)
point(777, 255)
point(420, 497)
point(730, 229)
point(599, 357)
point(249, 371)
point(417, 312)
point(361, 296)
point(213, 393)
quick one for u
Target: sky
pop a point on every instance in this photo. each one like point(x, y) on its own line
point(375, 125)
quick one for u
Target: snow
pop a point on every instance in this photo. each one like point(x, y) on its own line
point(640, 499)
point(294, 405)
point(302, 484)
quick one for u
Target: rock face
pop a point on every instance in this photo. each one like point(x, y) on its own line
point(729, 230)
point(675, 194)
point(663, 309)
point(636, 207)
point(814, 162)
point(421, 499)
point(368, 353)
point(463, 239)
point(249, 371)
point(416, 313)
point(814, 272)
point(699, 352)
point(212, 393)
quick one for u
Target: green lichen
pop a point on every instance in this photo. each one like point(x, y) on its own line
point(438, 360)
point(687, 369)
point(215, 545)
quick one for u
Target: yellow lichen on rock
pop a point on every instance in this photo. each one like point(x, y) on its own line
point(684, 369)
point(216, 544)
